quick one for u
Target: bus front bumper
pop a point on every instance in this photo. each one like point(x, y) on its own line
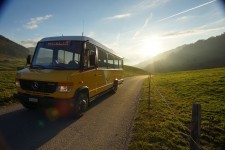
point(42, 101)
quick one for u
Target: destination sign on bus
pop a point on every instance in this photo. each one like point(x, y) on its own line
point(59, 43)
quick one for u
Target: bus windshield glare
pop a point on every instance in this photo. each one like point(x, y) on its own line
point(57, 55)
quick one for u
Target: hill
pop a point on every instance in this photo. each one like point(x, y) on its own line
point(203, 54)
point(10, 48)
point(31, 50)
point(133, 71)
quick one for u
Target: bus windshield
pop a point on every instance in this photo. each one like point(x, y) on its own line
point(57, 55)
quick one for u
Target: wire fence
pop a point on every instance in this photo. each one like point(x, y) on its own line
point(153, 86)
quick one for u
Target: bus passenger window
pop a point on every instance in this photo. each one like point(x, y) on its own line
point(116, 62)
point(92, 59)
point(89, 56)
point(102, 59)
point(120, 63)
point(110, 61)
point(86, 55)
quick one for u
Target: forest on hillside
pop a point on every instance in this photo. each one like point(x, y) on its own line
point(203, 54)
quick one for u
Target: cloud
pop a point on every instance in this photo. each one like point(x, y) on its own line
point(190, 32)
point(184, 18)
point(150, 4)
point(33, 23)
point(114, 43)
point(221, 21)
point(121, 16)
point(30, 42)
point(91, 34)
point(146, 4)
point(142, 28)
point(185, 11)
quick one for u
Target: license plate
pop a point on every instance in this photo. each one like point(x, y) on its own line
point(35, 100)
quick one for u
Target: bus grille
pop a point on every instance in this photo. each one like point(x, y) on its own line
point(38, 86)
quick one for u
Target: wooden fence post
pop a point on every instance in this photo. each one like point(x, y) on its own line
point(195, 127)
point(149, 91)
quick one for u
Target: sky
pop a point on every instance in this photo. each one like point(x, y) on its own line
point(135, 29)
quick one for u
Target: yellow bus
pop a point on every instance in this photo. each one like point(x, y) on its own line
point(68, 71)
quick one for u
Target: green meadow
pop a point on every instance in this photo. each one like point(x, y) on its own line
point(166, 125)
point(7, 88)
point(132, 71)
point(8, 67)
point(8, 63)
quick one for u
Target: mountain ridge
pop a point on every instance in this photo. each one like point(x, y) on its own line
point(203, 54)
point(10, 48)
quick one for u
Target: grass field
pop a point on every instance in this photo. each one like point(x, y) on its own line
point(8, 67)
point(8, 63)
point(7, 87)
point(132, 71)
point(167, 124)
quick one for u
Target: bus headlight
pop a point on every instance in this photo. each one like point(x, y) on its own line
point(17, 83)
point(64, 87)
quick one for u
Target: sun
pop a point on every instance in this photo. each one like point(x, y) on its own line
point(151, 46)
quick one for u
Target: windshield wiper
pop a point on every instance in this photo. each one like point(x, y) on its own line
point(38, 66)
point(58, 66)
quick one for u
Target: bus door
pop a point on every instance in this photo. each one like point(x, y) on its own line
point(102, 71)
point(89, 76)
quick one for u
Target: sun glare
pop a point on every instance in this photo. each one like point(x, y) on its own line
point(151, 46)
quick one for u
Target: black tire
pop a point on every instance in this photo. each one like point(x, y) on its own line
point(29, 106)
point(115, 86)
point(80, 104)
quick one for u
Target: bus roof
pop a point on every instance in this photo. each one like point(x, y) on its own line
point(78, 38)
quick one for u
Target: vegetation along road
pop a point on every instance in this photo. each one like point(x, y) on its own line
point(106, 125)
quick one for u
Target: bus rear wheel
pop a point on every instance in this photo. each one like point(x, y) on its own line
point(80, 104)
point(115, 86)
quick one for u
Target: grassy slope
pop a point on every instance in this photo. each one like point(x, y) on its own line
point(8, 63)
point(8, 67)
point(132, 71)
point(7, 88)
point(167, 124)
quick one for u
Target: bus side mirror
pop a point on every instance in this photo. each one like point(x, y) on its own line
point(28, 59)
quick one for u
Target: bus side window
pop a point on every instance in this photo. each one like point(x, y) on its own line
point(110, 61)
point(116, 62)
point(90, 56)
point(102, 58)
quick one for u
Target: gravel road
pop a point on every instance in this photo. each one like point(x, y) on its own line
point(106, 125)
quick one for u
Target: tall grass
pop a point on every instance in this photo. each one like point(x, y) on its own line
point(8, 63)
point(167, 124)
point(7, 87)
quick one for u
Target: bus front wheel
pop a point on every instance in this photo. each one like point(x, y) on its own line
point(81, 104)
point(29, 106)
